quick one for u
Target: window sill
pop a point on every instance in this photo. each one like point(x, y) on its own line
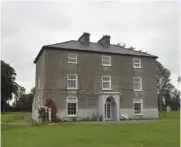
point(137, 67)
point(138, 114)
point(72, 88)
point(71, 116)
point(138, 90)
point(72, 62)
point(106, 65)
point(106, 89)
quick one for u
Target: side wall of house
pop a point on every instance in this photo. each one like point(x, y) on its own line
point(90, 71)
point(39, 85)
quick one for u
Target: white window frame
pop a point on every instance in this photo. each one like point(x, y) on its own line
point(72, 58)
point(139, 64)
point(140, 101)
point(103, 60)
point(68, 101)
point(106, 81)
point(137, 82)
point(76, 80)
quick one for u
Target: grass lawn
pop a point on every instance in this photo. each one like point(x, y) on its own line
point(161, 134)
point(14, 116)
point(174, 115)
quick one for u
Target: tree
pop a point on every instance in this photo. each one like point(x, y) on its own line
point(166, 91)
point(24, 102)
point(176, 100)
point(123, 45)
point(8, 84)
point(179, 79)
point(163, 79)
point(32, 91)
point(19, 93)
point(172, 97)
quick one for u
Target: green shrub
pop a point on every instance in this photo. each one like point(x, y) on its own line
point(94, 118)
point(86, 119)
point(100, 118)
point(59, 120)
point(43, 114)
point(74, 119)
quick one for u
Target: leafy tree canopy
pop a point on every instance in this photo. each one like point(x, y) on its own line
point(8, 84)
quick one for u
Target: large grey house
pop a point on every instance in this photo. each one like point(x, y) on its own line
point(85, 79)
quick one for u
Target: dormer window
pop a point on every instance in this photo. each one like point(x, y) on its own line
point(72, 58)
point(136, 63)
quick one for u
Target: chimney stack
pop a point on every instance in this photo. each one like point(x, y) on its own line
point(105, 41)
point(85, 39)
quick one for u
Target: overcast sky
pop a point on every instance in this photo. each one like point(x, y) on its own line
point(27, 26)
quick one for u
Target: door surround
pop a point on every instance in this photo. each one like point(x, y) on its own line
point(102, 97)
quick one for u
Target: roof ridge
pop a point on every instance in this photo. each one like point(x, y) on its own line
point(134, 49)
point(59, 43)
point(130, 49)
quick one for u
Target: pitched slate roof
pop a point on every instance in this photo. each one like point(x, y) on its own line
point(93, 47)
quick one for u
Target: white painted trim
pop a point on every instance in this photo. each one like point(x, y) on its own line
point(76, 82)
point(72, 58)
point(106, 89)
point(110, 83)
point(67, 106)
point(109, 60)
point(106, 65)
point(72, 62)
point(138, 101)
point(138, 90)
point(105, 109)
point(71, 115)
point(140, 84)
point(72, 88)
point(72, 97)
point(140, 65)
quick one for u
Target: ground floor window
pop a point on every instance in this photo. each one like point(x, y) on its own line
point(138, 107)
point(72, 106)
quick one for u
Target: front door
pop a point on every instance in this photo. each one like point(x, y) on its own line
point(108, 111)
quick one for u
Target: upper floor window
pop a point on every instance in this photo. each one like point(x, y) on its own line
point(106, 60)
point(71, 81)
point(136, 63)
point(72, 58)
point(72, 106)
point(138, 104)
point(106, 82)
point(137, 83)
